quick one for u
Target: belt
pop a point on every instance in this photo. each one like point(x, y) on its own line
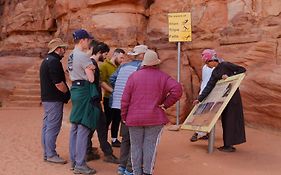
point(79, 83)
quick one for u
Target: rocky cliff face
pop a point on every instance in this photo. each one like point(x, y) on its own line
point(246, 32)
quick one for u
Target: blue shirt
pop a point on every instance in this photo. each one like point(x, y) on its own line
point(119, 80)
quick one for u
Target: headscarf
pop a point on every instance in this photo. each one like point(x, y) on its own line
point(209, 54)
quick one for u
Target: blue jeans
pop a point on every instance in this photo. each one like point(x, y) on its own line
point(51, 127)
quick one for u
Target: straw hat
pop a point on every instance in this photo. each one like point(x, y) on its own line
point(150, 58)
point(55, 43)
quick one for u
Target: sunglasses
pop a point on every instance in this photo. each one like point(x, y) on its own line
point(212, 61)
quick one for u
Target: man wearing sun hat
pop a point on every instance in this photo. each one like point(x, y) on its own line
point(147, 94)
point(118, 81)
point(54, 93)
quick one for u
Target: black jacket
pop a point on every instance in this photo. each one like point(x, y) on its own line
point(227, 68)
point(51, 73)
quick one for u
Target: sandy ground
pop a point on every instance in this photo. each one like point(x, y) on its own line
point(21, 153)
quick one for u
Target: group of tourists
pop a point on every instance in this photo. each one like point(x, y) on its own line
point(126, 91)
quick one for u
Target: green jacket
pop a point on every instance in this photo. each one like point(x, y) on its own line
point(85, 109)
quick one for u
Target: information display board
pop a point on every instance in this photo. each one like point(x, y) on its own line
point(204, 115)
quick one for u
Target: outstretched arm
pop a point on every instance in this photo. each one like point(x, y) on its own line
point(209, 87)
point(236, 69)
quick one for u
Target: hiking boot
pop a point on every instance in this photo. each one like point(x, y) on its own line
point(84, 169)
point(194, 138)
point(56, 159)
point(92, 156)
point(111, 159)
point(116, 144)
point(94, 149)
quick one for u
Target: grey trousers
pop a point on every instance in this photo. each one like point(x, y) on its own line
point(144, 141)
point(51, 127)
point(78, 143)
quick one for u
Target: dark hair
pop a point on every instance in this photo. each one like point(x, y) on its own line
point(76, 41)
point(100, 47)
point(94, 43)
point(118, 50)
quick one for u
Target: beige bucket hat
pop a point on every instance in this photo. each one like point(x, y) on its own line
point(150, 58)
point(55, 43)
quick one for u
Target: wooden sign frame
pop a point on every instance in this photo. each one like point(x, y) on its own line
point(204, 115)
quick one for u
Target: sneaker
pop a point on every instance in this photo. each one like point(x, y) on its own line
point(117, 143)
point(56, 159)
point(128, 172)
point(121, 170)
point(92, 156)
point(84, 169)
point(205, 137)
point(111, 159)
point(194, 137)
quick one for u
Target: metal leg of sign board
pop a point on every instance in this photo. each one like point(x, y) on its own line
point(211, 140)
point(177, 126)
point(179, 71)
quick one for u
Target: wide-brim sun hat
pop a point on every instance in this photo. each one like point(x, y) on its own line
point(55, 43)
point(150, 58)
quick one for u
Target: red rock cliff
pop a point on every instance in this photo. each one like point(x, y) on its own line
point(246, 32)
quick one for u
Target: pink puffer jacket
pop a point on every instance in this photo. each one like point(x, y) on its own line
point(145, 90)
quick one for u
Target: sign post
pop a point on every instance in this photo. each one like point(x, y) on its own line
point(211, 140)
point(179, 74)
point(179, 31)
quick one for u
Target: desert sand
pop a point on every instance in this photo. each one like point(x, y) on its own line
point(21, 152)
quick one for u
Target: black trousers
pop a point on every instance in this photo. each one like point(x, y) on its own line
point(102, 136)
point(113, 117)
point(107, 111)
point(125, 149)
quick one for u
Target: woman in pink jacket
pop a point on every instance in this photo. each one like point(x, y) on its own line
point(147, 94)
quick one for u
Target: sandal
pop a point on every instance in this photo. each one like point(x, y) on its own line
point(227, 149)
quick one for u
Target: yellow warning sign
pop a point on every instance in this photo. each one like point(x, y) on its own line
point(179, 27)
